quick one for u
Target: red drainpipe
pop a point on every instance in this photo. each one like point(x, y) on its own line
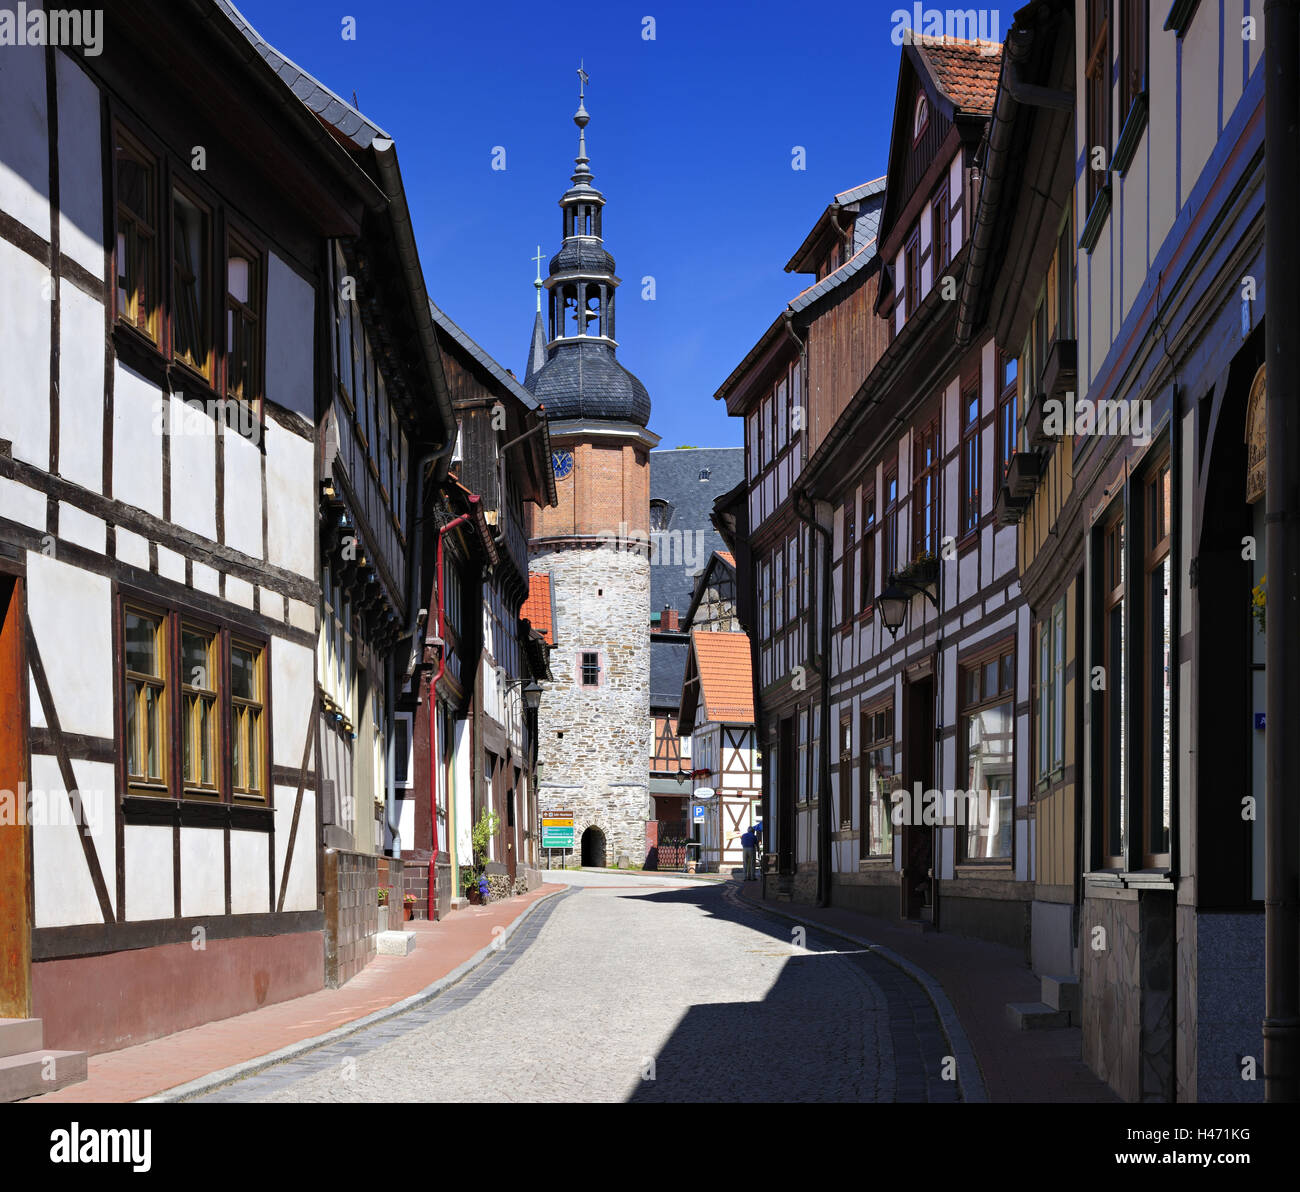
point(433, 708)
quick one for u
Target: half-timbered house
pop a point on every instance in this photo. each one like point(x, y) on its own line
point(175, 203)
point(789, 389)
point(1165, 524)
point(683, 485)
point(928, 641)
point(1020, 285)
point(503, 458)
point(717, 710)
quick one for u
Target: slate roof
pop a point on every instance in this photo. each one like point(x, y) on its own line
point(964, 71)
point(444, 323)
point(832, 281)
point(536, 609)
point(340, 115)
point(585, 255)
point(667, 668)
point(675, 478)
point(726, 678)
point(584, 380)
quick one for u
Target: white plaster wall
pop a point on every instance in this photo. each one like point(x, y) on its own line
point(290, 338)
point(300, 894)
point(1200, 112)
point(71, 615)
point(250, 883)
point(149, 872)
point(293, 679)
point(194, 468)
point(81, 528)
point(171, 565)
point(22, 504)
point(24, 138)
point(81, 387)
point(24, 339)
point(137, 440)
point(243, 494)
point(1133, 201)
point(61, 882)
point(203, 872)
point(132, 548)
point(81, 203)
point(291, 516)
point(1162, 136)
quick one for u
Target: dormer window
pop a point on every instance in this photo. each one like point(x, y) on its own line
point(920, 118)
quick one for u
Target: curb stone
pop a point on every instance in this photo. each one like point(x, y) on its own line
point(972, 1087)
point(213, 1080)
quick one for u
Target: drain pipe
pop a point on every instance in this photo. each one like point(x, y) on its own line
point(434, 760)
point(807, 513)
point(1281, 1026)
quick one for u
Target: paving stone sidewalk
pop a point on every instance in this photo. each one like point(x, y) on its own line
point(979, 980)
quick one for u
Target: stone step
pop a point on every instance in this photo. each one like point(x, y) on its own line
point(395, 943)
point(1036, 1016)
point(1061, 993)
point(918, 925)
point(31, 1073)
point(20, 1034)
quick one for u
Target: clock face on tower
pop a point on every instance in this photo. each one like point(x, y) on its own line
point(562, 463)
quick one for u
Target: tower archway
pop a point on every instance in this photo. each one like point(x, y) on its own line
point(593, 848)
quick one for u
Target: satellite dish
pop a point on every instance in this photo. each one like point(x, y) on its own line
point(703, 792)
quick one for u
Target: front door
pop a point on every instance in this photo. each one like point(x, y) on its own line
point(15, 844)
point(918, 839)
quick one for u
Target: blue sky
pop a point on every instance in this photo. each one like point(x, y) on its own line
point(691, 141)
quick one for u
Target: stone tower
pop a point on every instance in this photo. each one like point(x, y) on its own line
point(594, 722)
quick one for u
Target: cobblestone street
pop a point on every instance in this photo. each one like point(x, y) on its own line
point(629, 988)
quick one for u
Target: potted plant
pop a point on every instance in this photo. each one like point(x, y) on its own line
point(408, 906)
point(483, 891)
point(383, 908)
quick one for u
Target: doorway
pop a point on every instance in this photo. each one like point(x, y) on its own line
point(593, 848)
point(918, 761)
point(15, 844)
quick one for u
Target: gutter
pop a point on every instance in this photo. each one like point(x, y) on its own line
point(408, 255)
point(1013, 93)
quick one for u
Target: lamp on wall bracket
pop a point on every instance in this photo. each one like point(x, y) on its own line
point(896, 598)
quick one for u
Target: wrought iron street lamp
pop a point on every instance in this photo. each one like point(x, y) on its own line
point(896, 599)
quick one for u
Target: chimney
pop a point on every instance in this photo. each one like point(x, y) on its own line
point(668, 621)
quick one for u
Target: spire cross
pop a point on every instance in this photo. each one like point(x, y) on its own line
point(538, 283)
point(583, 79)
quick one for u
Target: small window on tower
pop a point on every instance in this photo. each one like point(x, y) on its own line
point(590, 668)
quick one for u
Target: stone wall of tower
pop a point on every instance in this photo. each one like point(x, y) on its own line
point(594, 742)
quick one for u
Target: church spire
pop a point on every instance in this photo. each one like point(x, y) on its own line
point(578, 375)
point(582, 173)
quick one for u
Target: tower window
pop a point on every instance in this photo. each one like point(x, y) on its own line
point(704, 473)
point(590, 668)
point(661, 514)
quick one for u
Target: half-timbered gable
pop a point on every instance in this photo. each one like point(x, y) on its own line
point(718, 713)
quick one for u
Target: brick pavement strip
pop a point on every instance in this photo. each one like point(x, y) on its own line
point(183, 1063)
point(639, 992)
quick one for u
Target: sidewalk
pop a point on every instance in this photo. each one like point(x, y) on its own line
point(979, 979)
point(161, 1064)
